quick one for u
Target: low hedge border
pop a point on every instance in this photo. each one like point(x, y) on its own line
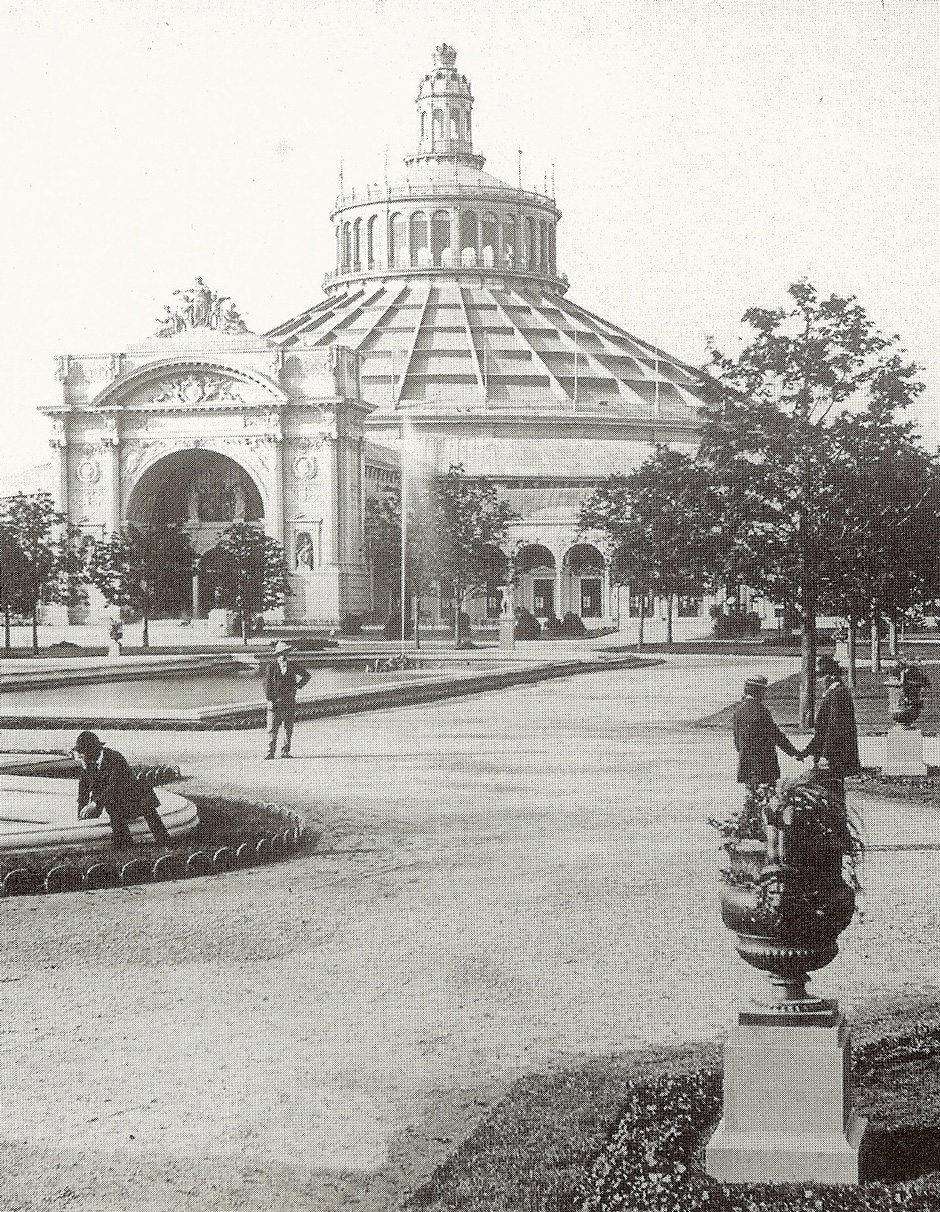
point(232, 835)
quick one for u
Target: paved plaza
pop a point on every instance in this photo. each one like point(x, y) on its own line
point(507, 881)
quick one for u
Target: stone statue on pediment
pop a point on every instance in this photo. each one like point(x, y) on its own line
point(199, 307)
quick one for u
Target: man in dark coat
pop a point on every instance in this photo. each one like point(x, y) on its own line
point(757, 738)
point(281, 683)
point(834, 747)
point(107, 784)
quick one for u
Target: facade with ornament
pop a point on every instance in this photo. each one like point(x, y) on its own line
point(446, 337)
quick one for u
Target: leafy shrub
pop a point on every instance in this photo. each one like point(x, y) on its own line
point(552, 627)
point(351, 624)
point(392, 629)
point(527, 625)
point(736, 625)
point(572, 625)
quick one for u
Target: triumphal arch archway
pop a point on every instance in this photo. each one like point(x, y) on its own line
point(205, 424)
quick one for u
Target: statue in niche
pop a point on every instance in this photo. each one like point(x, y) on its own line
point(304, 560)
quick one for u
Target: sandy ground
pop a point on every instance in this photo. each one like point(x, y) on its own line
point(509, 881)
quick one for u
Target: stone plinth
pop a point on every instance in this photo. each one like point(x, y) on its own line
point(904, 751)
point(507, 632)
point(787, 1103)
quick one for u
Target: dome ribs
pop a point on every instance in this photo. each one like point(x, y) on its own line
point(397, 393)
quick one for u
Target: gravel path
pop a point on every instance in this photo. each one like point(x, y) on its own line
point(508, 881)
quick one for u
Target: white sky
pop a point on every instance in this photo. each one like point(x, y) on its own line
point(706, 155)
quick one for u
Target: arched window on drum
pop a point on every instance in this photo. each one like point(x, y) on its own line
point(357, 244)
point(440, 235)
point(490, 239)
point(510, 251)
point(420, 253)
point(398, 255)
point(347, 247)
point(370, 242)
point(532, 244)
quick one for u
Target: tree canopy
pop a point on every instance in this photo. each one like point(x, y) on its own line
point(655, 525)
point(775, 435)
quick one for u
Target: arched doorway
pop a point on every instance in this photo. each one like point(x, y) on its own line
point(535, 568)
point(583, 572)
point(196, 495)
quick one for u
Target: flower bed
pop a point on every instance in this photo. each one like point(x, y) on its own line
point(653, 1162)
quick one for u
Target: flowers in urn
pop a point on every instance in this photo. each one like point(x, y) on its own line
point(116, 631)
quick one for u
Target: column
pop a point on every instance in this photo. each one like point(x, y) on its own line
point(61, 480)
point(111, 475)
point(559, 605)
point(275, 527)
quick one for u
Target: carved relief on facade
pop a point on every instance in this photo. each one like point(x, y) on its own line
point(88, 470)
point(58, 440)
point(62, 367)
point(194, 390)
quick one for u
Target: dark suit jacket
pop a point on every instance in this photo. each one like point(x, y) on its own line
point(835, 737)
point(114, 787)
point(281, 688)
point(757, 739)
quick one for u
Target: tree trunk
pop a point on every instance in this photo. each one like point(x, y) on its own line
point(145, 638)
point(6, 626)
point(875, 642)
point(36, 628)
point(641, 633)
point(852, 646)
point(808, 656)
point(892, 637)
point(670, 601)
point(416, 619)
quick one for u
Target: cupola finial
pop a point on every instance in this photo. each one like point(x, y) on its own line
point(445, 106)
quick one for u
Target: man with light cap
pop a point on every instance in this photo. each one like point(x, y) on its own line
point(281, 683)
point(757, 739)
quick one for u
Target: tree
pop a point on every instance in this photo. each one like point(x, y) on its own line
point(769, 441)
point(13, 575)
point(454, 524)
point(883, 512)
point(252, 568)
point(655, 526)
point(466, 521)
point(130, 566)
point(30, 521)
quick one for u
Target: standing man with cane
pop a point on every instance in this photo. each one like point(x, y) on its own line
point(281, 683)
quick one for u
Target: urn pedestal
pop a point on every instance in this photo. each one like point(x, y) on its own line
point(787, 1110)
point(787, 1113)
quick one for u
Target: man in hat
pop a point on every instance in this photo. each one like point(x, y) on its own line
point(757, 739)
point(107, 784)
point(834, 747)
point(281, 683)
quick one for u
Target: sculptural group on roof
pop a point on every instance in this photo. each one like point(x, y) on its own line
point(200, 307)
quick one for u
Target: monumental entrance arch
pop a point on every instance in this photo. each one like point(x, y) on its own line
point(206, 424)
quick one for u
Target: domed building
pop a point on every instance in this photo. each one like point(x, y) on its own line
point(447, 323)
point(447, 285)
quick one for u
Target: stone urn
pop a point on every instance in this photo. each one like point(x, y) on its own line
point(788, 903)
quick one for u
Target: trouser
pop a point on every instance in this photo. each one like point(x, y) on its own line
point(278, 714)
point(120, 827)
